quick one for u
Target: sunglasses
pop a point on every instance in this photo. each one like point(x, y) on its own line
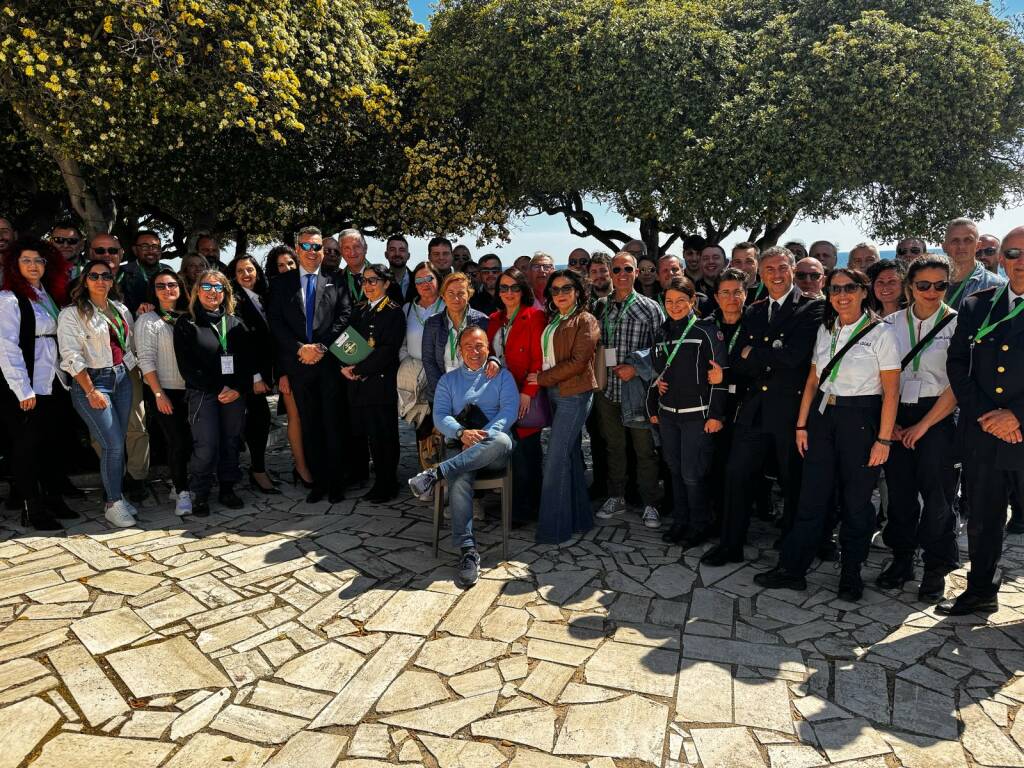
point(147, 246)
point(835, 290)
point(424, 280)
point(937, 285)
point(509, 289)
point(562, 290)
point(989, 251)
point(627, 270)
point(373, 280)
point(808, 275)
point(67, 240)
point(165, 286)
point(101, 251)
point(579, 262)
point(107, 277)
point(215, 287)
point(317, 247)
point(913, 250)
point(1011, 253)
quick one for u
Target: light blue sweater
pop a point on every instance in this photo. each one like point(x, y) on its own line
point(498, 398)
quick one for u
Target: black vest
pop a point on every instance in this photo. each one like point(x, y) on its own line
point(26, 339)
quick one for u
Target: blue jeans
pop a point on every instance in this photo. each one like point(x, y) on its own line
point(108, 426)
point(459, 472)
point(564, 501)
point(688, 450)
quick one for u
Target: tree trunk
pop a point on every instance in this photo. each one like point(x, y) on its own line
point(774, 230)
point(241, 242)
point(650, 233)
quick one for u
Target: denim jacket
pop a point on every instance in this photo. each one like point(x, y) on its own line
point(634, 391)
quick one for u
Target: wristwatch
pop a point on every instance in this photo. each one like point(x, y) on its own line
point(459, 433)
point(886, 443)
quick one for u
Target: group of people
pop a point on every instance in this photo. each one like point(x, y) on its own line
point(700, 380)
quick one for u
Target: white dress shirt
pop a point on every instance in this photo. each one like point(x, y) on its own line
point(932, 369)
point(12, 362)
point(859, 369)
point(154, 345)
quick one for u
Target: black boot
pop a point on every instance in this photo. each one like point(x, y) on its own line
point(780, 578)
point(674, 534)
point(36, 515)
point(229, 498)
point(896, 573)
point(851, 585)
point(201, 507)
point(720, 555)
point(55, 504)
point(933, 585)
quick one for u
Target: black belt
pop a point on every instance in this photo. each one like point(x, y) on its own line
point(46, 336)
point(858, 401)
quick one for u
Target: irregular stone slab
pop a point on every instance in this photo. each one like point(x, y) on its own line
point(924, 752)
point(20, 671)
point(199, 716)
point(986, 742)
point(412, 613)
point(327, 668)
point(705, 693)
point(558, 586)
point(445, 719)
point(23, 726)
point(621, 583)
point(124, 582)
point(308, 749)
point(634, 668)
point(849, 739)
point(229, 633)
point(207, 750)
point(19, 585)
point(671, 580)
point(104, 632)
point(257, 725)
point(569, 634)
point(452, 655)
point(34, 646)
point(165, 612)
point(362, 691)
point(410, 752)
point(923, 711)
point(794, 756)
point(259, 556)
point(83, 751)
point(908, 644)
point(596, 729)
point(285, 698)
point(370, 740)
point(560, 653)
point(762, 704)
point(93, 554)
point(650, 635)
point(726, 748)
point(861, 688)
point(457, 753)
point(505, 624)
point(814, 708)
point(778, 658)
point(166, 667)
point(471, 607)
point(95, 695)
point(71, 592)
point(547, 680)
point(412, 690)
point(19, 631)
point(576, 693)
point(231, 611)
point(527, 758)
point(244, 668)
point(27, 690)
point(147, 725)
point(475, 683)
point(534, 728)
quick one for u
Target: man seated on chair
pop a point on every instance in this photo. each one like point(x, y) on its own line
point(478, 412)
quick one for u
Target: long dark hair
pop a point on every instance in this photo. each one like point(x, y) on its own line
point(55, 275)
point(181, 305)
point(80, 293)
point(875, 271)
point(582, 293)
point(830, 316)
point(272, 256)
point(262, 287)
point(525, 291)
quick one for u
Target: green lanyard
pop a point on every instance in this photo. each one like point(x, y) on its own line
point(352, 288)
point(959, 290)
point(610, 332)
point(986, 326)
point(453, 337)
point(118, 327)
point(222, 335)
point(552, 326)
point(679, 341)
point(913, 336)
point(760, 290)
point(735, 334)
point(416, 312)
point(835, 341)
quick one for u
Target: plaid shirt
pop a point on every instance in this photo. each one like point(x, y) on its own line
point(635, 332)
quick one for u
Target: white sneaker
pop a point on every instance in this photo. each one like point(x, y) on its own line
point(650, 518)
point(118, 514)
point(183, 506)
point(172, 495)
point(611, 507)
point(129, 507)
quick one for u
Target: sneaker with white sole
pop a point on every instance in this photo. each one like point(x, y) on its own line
point(117, 514)
point(650, 518)
point(612, 506)
point(172, 494)
point(422, 485)
point(183, 505)
point(129, 507)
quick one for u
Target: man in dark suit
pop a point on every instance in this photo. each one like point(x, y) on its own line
point(985, 371)
point(306, 313)
point(773, 351)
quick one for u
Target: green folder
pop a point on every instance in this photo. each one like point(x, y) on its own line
point(351, 348)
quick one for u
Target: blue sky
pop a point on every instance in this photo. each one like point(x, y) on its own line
point(551, 234)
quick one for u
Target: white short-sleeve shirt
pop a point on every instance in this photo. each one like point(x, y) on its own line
point(858, 372)
point(931, 371)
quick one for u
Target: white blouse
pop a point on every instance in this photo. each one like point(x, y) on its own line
point(12, 362)
point(931, 372)
point(154, 345)
point(859, 370)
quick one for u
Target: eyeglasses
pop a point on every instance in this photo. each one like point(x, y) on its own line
point(835, 290)
point(373, 280)
point(32, 261)
point(215, 287)
point(937, 285)
point(739, 293)
point(101, 251)
point(562, 290)
point(579, 262)
point(543, 267)
point(311, 247)
point(1011, 253)
point(148, 246)
point(106, 277)
point(165, 286)
point(628, 270)
point(509, 289)
point(67, 240)
point(989, 251)
point(424, 280)
point(912, 250)
point(808, 275)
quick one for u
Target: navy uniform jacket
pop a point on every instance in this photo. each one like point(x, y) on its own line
point(988, 375)
point(779, 360)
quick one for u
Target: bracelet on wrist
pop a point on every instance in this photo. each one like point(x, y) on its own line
point(801, 429)
point(886, 443)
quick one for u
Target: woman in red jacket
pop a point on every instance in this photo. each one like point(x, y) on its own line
point(514, 332)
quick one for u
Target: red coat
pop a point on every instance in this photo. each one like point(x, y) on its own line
point(522, 348)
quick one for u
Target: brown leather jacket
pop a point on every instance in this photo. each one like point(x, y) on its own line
point(575, 340)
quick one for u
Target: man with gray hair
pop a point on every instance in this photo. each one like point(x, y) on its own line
point(863, 255)
point(826, 252)
point(969, 275)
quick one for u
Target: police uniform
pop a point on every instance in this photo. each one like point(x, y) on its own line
point(986, 374)
point(927, 470)
point(681, 356)
point(776, 369)
point(842, 426)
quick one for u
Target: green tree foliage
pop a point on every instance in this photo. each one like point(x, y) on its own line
point(716, 116)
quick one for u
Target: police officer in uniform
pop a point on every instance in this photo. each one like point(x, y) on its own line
point(773, 353)
point(844, 431)
point(988, 380)
point(921, 459)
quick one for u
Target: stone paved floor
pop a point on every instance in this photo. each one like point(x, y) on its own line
point(293, 636)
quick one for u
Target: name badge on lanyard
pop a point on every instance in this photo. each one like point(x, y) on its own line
point(610, 357)
point(911, 391)
point(129, 360)
point(227, 362)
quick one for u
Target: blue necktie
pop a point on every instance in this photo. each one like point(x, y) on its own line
point(310, 305)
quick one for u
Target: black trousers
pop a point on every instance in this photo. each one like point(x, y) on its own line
point(528, 475)
point(752, 445)
point(355, 438)
point(839, 444)
point(687, 450)
point(598, 453)
point(922, 484)
point(318, 396)
point(988, 490)
point(216, 442)
point(36, 457)
point(377, 427)
point(176, 432)
point(257, 430)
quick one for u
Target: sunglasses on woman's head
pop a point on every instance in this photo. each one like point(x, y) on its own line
point(311, 247)
point(925, 285)
point(215, 287)
point(106, 277)
point(627, 269)
point(509, 289)
point(561, 290)
point(835, 290)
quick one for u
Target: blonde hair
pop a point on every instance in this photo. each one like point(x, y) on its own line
point(457, 277)
point(229, 295)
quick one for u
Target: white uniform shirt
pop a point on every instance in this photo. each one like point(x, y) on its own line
point(859, 369)
point(932, 370)
point(12, 362)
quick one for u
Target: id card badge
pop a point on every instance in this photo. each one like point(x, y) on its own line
point(732, 389)
point(911, 392)
point(610, 358)
point(129, 361)
point(227, 364)
point(823, 405)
